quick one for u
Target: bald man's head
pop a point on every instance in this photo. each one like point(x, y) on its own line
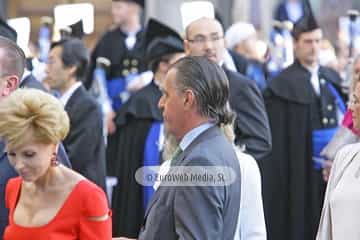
point(12, 65)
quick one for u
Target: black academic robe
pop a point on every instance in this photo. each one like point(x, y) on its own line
point(125, 154)
point(292, 189)
point(123, 61)
point(85, 143)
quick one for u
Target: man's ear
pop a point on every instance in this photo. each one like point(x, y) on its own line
point(11, 85)
point(163, 66)
point(189, 99)
point(187, 47)
point(225, 43)
point(72, 70)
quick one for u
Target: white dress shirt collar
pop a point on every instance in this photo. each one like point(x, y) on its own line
point(67, 95)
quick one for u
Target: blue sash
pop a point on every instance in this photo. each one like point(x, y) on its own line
point(151, 157)
point(114, 88)
point(321, 137)
point(117, 92)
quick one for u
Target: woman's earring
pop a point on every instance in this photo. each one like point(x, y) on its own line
point(54, 160)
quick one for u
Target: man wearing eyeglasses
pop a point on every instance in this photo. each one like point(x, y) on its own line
point(205, 37)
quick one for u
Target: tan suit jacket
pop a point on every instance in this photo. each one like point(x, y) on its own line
point(345, 156)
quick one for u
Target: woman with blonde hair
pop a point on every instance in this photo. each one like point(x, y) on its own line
point(47, 200)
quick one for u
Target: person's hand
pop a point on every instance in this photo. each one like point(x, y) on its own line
point(326, 169)
point(110, 124)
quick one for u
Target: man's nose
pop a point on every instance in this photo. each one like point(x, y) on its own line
point(208, 43)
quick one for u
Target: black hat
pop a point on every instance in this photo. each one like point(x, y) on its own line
point(77, 29)
point(7, 31)
point(139, 2)
point(307, 23)
point(161, 40)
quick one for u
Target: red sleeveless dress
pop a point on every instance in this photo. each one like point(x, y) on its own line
point(71, 221)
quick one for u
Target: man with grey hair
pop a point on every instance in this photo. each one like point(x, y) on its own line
point(12, 65)
point(205, 37)
point(194, 104)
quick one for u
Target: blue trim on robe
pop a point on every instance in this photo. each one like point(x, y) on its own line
point(151, 157)
point(321, 137)
point(338, 100)
point(114, 88)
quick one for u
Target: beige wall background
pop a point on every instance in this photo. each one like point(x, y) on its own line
point(258, 12)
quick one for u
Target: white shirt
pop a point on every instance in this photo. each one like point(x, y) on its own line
point(315, 79)
point(130, 41)
point(229, 61)
point(251, 221)
point(67, 95)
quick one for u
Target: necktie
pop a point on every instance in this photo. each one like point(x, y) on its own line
point(176, 153)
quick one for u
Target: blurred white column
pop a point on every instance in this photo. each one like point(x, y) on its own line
point(242, 8)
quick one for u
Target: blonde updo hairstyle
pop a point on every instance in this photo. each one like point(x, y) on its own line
point(31, 115)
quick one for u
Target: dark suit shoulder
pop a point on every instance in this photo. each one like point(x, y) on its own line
point(211, 148)
point(331, 75)
point(111, 34)
point(239, 81)
point(81, 101)
point(31, 82)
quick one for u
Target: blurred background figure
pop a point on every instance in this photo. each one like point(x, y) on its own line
point(84, 144)
point(205, 37)
point(289, 10)
point(241, 37)
point(123, 46)
point(305, 107)
point(44, 38)
point(348, 44)
point(327, 55)
point(139, 137)
point(7, 31)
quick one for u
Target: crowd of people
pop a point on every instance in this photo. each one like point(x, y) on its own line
point(263, 133)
